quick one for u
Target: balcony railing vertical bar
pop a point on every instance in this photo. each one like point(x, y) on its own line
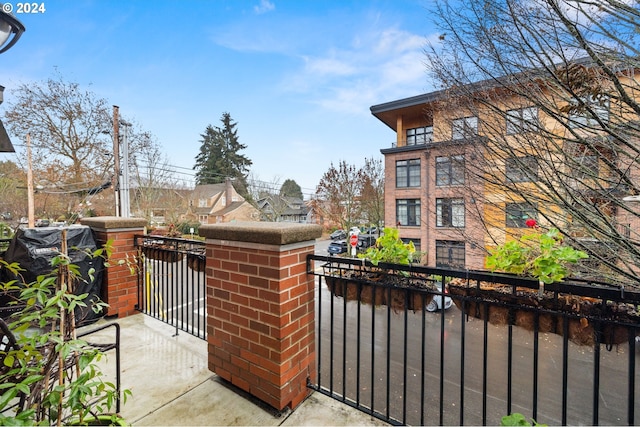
point(463, 324)
point(442, 358)
point(388, 354)
point(596, 375)
point(632, 375)
point(372, 350)
point(565, 368)
point(171, 282)
point(319, 324)
point(423, 359)
point(404, 356)
point(485, 360)
point(344, 344)
point(536, 366)
point(331, 344)
point(358, 344)
point(509, 360)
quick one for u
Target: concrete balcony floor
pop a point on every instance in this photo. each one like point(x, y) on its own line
point(172, 386)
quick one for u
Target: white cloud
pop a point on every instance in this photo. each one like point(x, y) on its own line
point(376, 66)
point(328, 66)
point(264, 7)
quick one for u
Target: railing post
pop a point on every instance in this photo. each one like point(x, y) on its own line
point(120, 287)
point(260, 308)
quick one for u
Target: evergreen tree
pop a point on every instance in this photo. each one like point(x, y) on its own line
point(290, 188)
point(219, 156)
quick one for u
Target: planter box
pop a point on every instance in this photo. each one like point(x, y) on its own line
point(163, 255)
point(371, 293)
point(501, 305)
point(196, 262)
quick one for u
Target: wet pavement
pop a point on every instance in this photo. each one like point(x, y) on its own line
point(171, 384)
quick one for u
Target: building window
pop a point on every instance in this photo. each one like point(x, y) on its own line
point(450, 170)
point(586, 111)
point(517, 214)
point(522, 120)
point(463, 128)
point(417, 136)
point(408, 173)
point(522, 169)
point(450, 253)
point(585, 166)
point(450, 212)
point(408, 211)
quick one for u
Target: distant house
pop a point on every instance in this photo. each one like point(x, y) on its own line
point(215, 203)
point(159, 205)
point(283, 209)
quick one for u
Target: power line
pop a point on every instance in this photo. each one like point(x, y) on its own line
point(176, 169)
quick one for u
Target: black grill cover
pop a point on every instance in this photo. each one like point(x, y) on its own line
point(34, 248)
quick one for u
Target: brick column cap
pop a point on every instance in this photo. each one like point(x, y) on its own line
point(270, 233)
point(113, 222)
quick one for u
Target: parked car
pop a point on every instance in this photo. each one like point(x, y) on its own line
point(338, 235)
point(370, 230)
point(366, 240)
point(436, 302)
point(337, 247)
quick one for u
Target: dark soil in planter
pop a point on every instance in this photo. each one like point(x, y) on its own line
point(405, 293)
point(501, 306)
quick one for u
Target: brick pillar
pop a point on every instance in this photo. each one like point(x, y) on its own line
point(260, 308)
point(120, 287)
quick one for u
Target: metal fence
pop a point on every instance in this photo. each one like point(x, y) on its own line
point(567, 358)
point(171, 282)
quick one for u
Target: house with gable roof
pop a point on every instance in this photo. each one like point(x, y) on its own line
point(216, 203)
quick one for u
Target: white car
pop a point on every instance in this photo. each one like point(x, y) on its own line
point(436, 302)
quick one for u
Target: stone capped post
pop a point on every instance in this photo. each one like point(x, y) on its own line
point(119, 287)
point(260, 308)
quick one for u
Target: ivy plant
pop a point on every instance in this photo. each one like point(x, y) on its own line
point(45, 332)
point(390, 248)
point(517, 419)
point(538, 254)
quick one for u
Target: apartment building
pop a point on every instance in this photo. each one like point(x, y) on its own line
point(454, 216)
point(426, 187)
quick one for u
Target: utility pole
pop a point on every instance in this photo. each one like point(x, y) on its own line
point(30, 201)
point(116, 157)
point(125, 207)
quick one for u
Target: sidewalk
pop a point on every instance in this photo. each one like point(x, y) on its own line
point(171, 385)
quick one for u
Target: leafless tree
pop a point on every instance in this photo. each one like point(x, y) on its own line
point(554, 84)
point(67, 126)
point(155, 189)
point(339, 191)
point(350, 196)
point(265, 196)
point(70, 130)
point(372, 191)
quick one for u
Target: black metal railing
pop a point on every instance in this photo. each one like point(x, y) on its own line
point(171, 281)
point(568, 358)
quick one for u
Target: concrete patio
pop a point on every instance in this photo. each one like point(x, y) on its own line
point(171, 384)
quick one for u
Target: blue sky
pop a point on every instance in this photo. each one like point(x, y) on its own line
point(297, 76)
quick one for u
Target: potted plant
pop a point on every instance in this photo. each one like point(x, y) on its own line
point(49, 376)
point(542, 256)
point(389, 250)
